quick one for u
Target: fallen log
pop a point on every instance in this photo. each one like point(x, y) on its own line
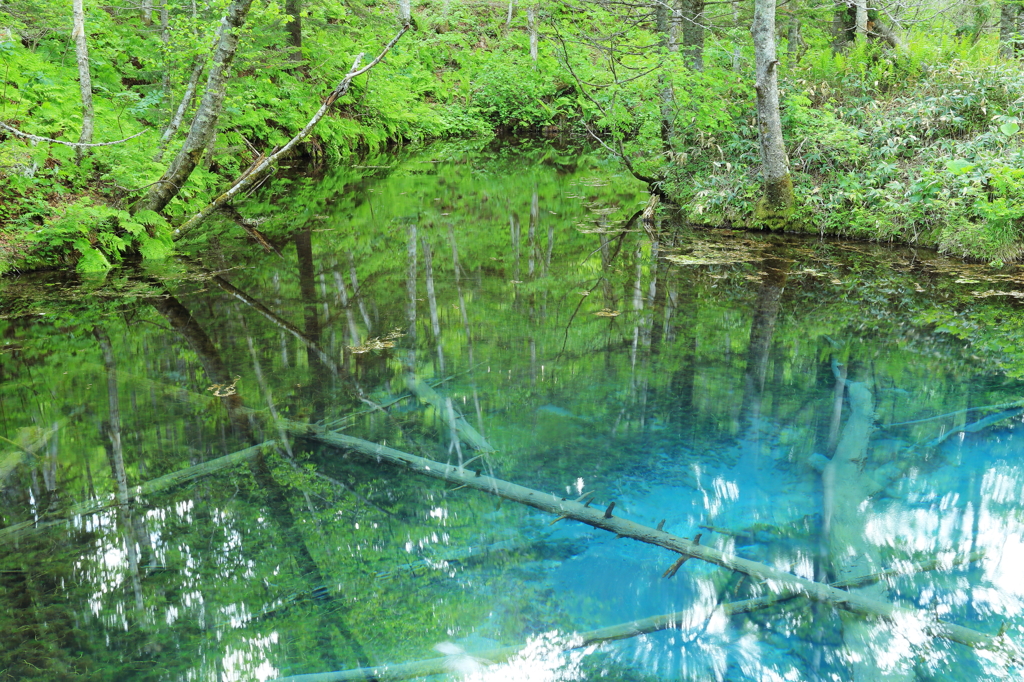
point(643, 626)
point(774, 578)
point(466, 432)
point(135, 492)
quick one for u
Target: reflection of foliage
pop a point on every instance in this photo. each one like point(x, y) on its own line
point(564, 393)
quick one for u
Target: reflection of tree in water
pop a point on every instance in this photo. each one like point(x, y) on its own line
point(562, 397)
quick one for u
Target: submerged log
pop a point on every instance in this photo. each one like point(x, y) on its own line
point(777, 579)
point(466, 432)
point(135, 492)
point(635, 628)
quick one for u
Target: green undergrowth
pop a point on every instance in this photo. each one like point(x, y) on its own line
point(883, 146)
point(458, 75)
point(920, 146)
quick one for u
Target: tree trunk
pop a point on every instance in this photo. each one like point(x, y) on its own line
point(1007, 28)
point(580, 510)
point(736, 52)
point(862, 19)
point(848, 488)
point(293, 8)
point(841, 33)
point(778, 186)
point(881, 30)
point(205, 122)
point(661, 14)
point(404, 11)
point(793, 36)
point(179, 114)
point(531, 20)
point(693, 33)
point(84, 77)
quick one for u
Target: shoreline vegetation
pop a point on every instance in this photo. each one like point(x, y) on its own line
point(902, 124)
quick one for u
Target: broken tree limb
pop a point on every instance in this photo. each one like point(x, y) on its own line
point(266, 165)
point(643, 626)
point(1000, 406)
point(38, 138)
point(135, 492)
point(775, 578)
point(466, 432)
point(266, 312)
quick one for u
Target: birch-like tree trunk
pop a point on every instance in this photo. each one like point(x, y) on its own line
point(531, 20)
point(793, 36)
point(84, 77)
point(179, 114)
point(736, 53)
point(205, 122)
point(664, 26)
point(778, 186)
point(862, 19)
point(404, 11)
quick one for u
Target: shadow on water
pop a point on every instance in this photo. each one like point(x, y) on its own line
point(830, 410)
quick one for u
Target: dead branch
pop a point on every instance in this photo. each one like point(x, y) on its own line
point(643, 626)
point(37, 138)
point(260, 170)
point(556, 505)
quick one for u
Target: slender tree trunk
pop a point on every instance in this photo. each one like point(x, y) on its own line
point(862, 19)
point(84, 77)
point(793, 37)
point(116, 452)
point(531, 20)
point(778, 186)
point(293, 8)
point(205, 122)
point(661, 14)
point(179, 114)
point(404, 11)
point(693, 33)
point(435, 323)
point(1007, 27)
point(736, 54)
point(1018, 32)
point(165, 38)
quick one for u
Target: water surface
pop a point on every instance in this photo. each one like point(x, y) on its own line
point(699, 380)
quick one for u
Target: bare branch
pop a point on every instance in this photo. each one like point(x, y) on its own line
point(38, 138)
point(262, 167)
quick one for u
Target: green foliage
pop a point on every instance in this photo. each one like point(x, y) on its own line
point(95, 237)
point(869, 130)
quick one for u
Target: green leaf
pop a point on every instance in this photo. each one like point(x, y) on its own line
point(155, 249)
point(134, 228)
point(959, 166)
point(90, 260)
point(1009, 128)
point(147, 217)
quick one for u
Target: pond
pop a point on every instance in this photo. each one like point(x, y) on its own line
point(195, 472)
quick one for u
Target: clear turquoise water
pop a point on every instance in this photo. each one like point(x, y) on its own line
point(688, 377)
